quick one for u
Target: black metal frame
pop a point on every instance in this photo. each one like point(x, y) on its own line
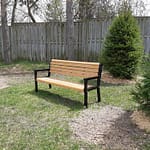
point(86, 88)
point(35, 77)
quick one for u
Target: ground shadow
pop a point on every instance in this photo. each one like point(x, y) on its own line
point(145, 109)
point(105, 84)
point(58, 99)
point(124, 134)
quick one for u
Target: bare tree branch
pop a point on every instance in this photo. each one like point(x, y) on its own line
point(29, 11)
point(14, 11)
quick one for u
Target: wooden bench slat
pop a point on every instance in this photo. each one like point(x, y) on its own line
point(95, 70)
point(73, 73)
point(76, 64)
point(61, 83)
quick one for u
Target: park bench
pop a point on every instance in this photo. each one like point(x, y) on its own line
point(85, 70)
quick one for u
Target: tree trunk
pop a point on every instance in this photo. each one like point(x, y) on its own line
point(29, 11)
point(14, 11)
point(69, 46)
point(5, 33)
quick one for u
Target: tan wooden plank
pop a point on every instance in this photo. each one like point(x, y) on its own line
point(76, 74)
point(73, 71)
point(83, 69)
point(75, 62)
point(61, 83)
point(74, 68)
point(76, 65)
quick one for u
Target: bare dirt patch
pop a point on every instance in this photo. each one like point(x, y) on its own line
point(17, 69)
point(13, 79)
point(3, 83)
point(141, 120)
point(108, 78)
point(13, 75)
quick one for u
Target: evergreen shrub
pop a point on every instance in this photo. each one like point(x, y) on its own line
point(141, 94)
point(122, 46)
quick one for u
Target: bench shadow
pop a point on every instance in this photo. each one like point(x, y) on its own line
point(105, 84)
point(48, 96)
point(124, 130)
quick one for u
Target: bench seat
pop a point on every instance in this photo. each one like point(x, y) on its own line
point(65, 84)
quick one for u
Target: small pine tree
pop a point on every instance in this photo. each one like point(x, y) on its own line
point(141, 94)
point(122, 46)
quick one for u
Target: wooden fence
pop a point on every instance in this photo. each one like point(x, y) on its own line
point(43, 41)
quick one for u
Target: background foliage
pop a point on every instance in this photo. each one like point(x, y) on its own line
point(122, 46)
point(141, 94)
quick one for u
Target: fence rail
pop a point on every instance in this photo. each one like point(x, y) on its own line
point(42, 41)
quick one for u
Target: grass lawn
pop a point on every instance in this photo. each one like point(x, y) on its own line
point(30, 120)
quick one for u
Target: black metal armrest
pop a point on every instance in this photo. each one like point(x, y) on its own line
point(91, 78)
point(92, 87)
point(40, 70)
point(37, 70)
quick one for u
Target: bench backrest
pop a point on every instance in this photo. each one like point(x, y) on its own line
point(75, 68)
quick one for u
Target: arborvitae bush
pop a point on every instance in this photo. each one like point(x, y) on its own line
point(122, 46)
point(141, 94)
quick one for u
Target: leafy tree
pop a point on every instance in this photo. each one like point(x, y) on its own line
point(103, 9)
point(54, 10)
point(136, 6)
point(141, 94)
point(19, 10)
point(85, 9)
point(31, 7)
point(89, 9)
point(123, 46)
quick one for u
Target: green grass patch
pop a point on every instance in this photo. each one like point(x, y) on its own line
point(118, 95)
point(32, 120)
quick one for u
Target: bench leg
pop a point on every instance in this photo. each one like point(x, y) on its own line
point(86, 99)
point(98, 94)
point(50, 86)
point(36, 86)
